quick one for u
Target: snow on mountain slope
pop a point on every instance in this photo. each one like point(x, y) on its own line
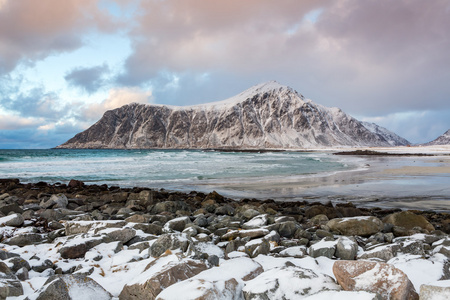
point(266, 116)
point(441, 140)
point(392, 138)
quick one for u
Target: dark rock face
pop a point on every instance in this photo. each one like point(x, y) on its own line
point(266, 116)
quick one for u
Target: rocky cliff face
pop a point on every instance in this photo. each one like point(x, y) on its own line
point(266, 116)
point(441, 140)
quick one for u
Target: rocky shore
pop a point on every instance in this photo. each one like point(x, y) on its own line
point(80, 241)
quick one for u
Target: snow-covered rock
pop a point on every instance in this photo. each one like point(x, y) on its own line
point(381, 278)
point(287, 282)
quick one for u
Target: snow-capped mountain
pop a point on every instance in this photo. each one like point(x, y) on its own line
point(266, 116)
point(441, 140)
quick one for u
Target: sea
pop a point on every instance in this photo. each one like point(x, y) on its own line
point(284, 175)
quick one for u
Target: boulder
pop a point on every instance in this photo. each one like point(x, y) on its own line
point(346, 248)
point(177, 224)
point(71, 287)
point(170, 241)
point(362, 226)
point(323, 248)
point(287, 229)
point(439, 290)
point(15, 220)
point(408, 220)
point(288, 282)
point(160, 274)
point(58, 201)
point(256, 222)
point(224, 282)
point(25, 239)
point(122, 235)
point(257, 247)
point(9, 285)
point(386, 280)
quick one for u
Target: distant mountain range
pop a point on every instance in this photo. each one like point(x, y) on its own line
point(266, 116)
point(441, 140)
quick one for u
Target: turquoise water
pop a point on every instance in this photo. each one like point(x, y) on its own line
point(174, 169)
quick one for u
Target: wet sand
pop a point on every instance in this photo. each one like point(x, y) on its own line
point(390, 182)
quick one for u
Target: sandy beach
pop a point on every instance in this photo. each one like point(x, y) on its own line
point(412, 181)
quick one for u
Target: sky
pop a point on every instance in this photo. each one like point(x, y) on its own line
point(64, 63)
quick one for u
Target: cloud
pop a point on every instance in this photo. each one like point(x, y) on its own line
point(11, 122)
point(31, 30)
point(117, 97)
point(36, 103)
point(367, 57)
point(90, 79)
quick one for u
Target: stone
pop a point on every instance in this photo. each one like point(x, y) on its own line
point(319, 220)
point(346, 248)
point(439, 290)
point(159, 275)
point(257, 247)
point(15, 220)
point(225, 210)
point(256, 222)
point(361, 226)
point(315, 210)
point(137, 219)
point(408, 220)
point(177, 224)
point(170, 241)
point(17, 263)
point(59, 200)
point(250, 213)
point(25, 239)
point(71, 287)
point(288, 282)
point(120, 235)
point(386, 280)
point(9, 285)
point(42, 265)
point(288, 229)
point(148, 228)
point(213, 260)
point(323, 248)
point(6, 209)
point(169, 206)
point(23, 274)
point(224, 282)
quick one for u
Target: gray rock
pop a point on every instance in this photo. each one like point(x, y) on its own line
point(256, 222)
point(213, 260)
point(201, 221)
point(25, 239)
point(42, 265)
point(6, 208)
point(161, 273)
point(121, 235)
point(71, 287)
point(177, 224)
point(22, 274)
point(362, 226)
point(257, 247)
point(18, 263)
point(170, 241)
point(10, 288)
point(250, 213)
point(323, 248)
point(288, 229)
point(288, 282)
point(346, 248)
point(15, 220)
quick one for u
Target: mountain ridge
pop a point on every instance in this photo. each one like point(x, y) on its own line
point(443, 139)
point(265, 116)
